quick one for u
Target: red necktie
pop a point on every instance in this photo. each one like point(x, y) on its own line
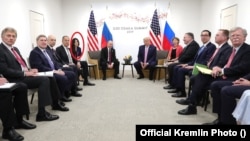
point(229, 61)
point(212, 58)
point(19, 59)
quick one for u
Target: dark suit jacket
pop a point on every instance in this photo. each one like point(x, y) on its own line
point(10, 68)
point(240, 64)
point(151, 57)
point(63, 55)
point(104, 55)
point(56, 57)
point(222, 56)
point(204, 56)
point(38, 60)
point(77, 53)
point(189, 52)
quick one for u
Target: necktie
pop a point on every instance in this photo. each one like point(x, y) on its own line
point(229, 61)
point(211, 59)
point(49, 60)
point(19, 59)
point(69, 56)
point(146, 54)
point(109, 55)
point(200, 50)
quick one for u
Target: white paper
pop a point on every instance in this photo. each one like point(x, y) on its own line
point(47, 73)
point(7, 85)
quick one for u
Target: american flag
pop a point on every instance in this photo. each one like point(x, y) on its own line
point(92, 33)
point(155, 33)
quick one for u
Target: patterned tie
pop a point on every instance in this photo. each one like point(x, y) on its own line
point(229, 61)
point(69, 56)
point(19, 59)
point(146, 54)
point(49, 60)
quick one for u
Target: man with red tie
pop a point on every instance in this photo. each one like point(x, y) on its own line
point(108, 60)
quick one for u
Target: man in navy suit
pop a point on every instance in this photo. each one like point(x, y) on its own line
point(202, 56)
point(108, 60)
point(224, 91)
point(146, 59)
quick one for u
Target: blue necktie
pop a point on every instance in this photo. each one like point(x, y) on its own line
point(49, 60)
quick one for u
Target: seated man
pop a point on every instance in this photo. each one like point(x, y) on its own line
point(146, 59)
point(108, 60)
point(12, 111)
point(14, 69)
point(64, 53)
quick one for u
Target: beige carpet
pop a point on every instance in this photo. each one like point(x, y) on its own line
point(110, 110)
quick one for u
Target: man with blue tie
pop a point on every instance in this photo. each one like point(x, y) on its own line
point(146, 59)
point(180, 71)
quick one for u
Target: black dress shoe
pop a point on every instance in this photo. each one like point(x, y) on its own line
point(12, 135)
point(215, 122)
point(190, 110)
point(117, 77)
point(46, 117)
point(78, 88)
point(88, 84)
point(65, 99)
point(61, 103)
point(169, 87)
point(104, 78)
point(76, 94)
point(140, 77)
point(179, 94)
point(183, 101)
point(25, 125)
point(60, 108)
point(173, 91)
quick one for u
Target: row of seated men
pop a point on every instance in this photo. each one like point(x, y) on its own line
point(54, 91)
point(229, 78)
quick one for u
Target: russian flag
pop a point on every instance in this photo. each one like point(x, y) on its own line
point(106, 35)
point(167, 37)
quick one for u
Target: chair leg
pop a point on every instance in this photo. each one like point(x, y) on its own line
point(206, 101)
point(189, 88)
point(32, 97)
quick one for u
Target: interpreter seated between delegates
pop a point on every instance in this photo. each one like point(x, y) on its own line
point(76, 54)
point(12, 108)
point(234, 68)
point(51, 41)
point(186, 56)
point(108, 60)
point(63, 52)
point(43, 61)
point(175, 50)
point(146, 59)
point(14, 69)
point(180, 71)
point(219, 58)
point(242, 110)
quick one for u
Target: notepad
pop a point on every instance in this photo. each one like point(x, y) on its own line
point(204, 70)
point(47, 73)
point(7, 85)
point(195, 69)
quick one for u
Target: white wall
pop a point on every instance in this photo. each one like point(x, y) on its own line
point(15, 13)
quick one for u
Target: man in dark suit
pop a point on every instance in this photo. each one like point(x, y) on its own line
point(222, 92)
point(108, 60)
point(12, 111)
point(233, 68)
point(180, 71)
point(146, 59)
point(43, 61)
point(51, 41)
point(186, 56)
point(63, 52)
point(14, 69)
